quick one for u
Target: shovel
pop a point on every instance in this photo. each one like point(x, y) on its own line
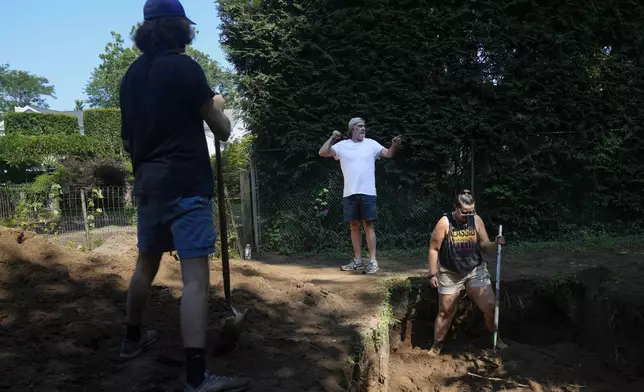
point(498, 291)
point(233, 325)
point(493, 357)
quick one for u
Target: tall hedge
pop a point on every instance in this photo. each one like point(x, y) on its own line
point(105, 124)
point(37, 124)
point(549, 94)
point(23, 150)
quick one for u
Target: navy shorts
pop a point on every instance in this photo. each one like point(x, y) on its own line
point(184, 224)
point(360, 207)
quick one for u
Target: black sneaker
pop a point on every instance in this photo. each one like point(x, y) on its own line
point(131, 349)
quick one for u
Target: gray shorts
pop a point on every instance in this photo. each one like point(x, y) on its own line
point(450, 282)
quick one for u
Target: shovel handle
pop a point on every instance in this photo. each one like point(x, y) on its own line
point(498, 289)
point(223, 228)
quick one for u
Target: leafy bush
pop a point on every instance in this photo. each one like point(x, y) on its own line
point(43, 183)
point(21, 150)
point(236, 160)
point(35, 206)
point(96, 172)
point(38, 124)
point(105, 124)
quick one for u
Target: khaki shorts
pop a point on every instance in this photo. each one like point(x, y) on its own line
point(450, 282)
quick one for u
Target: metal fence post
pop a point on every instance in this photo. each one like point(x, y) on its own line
point(255, 199)
point(472, 168)
point(85, 221)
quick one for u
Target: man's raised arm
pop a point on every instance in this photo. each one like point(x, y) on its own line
point(326, 150)
point(391, 151)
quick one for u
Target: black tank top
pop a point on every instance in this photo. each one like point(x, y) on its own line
point(460, 251)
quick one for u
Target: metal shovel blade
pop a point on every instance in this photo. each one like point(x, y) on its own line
point(230, 333)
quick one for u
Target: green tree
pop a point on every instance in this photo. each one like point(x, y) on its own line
point(79, 105)
point(556, 117)
point(103, 87)
point(221, 81)
point(104, 84)
point(20, 88)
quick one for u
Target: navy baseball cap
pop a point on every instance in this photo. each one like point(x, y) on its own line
point(154, 9)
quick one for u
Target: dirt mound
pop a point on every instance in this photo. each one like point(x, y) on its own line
point(26, 244)
point(119, 244)
point(62, 314)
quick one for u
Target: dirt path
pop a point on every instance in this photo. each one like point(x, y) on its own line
point(62, 315)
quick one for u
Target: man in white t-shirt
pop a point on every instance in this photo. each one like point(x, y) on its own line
point(357, 156)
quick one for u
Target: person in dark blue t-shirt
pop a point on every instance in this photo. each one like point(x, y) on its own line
point(165, 99)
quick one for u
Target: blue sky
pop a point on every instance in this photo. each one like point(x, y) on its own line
point(61, 39)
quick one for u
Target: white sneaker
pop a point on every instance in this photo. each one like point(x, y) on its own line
point(212, 383)
point(355, 265)
point(371, 268)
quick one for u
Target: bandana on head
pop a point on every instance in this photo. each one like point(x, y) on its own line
point(352, 123)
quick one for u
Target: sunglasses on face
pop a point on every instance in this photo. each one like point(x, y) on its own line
point(463, 212)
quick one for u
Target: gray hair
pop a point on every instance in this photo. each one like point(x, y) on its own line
point(352, 123)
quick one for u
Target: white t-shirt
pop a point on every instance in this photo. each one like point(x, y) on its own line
point(358, 163)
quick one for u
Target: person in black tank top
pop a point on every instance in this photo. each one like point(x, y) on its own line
point(456, 263)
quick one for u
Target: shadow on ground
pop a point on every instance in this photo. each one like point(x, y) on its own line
point(62, 315)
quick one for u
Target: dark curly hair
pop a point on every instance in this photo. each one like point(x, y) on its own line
point(164, 34)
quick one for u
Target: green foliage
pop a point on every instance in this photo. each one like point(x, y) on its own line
point(105, 124)
point(37, 124)
point(95, 172)
point(92, 210)
point(236, 160)
point(44, 182)
point(79, 105)
point(221, 81)
point(21, 150)
point(551, 103)
point(20, 88)
point(37, 204)
point(105, 82)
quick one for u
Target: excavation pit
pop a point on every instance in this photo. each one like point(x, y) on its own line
point(567, 333)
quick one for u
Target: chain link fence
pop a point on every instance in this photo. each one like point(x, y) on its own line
point(86, 218)
point(309, 216)
point(304, 212)
point(70, 216)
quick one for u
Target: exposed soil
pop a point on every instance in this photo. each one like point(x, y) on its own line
point(62, 315)
point(62, 320)
point(573, 333)
point(562, 367)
